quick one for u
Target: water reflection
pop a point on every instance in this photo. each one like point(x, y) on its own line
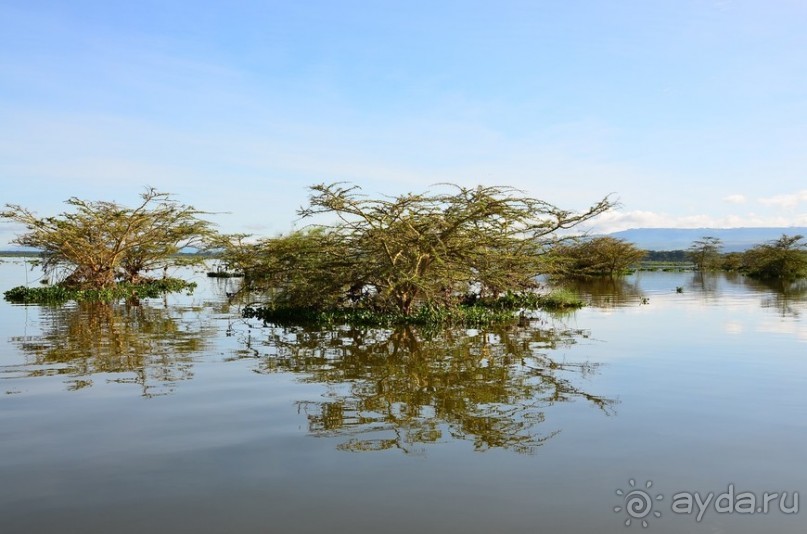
point(788, 298)
point(707, 283)
point(407, 388)
point(153, 347)
point(607, 292)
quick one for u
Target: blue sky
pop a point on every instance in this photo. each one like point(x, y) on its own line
point(694, 113)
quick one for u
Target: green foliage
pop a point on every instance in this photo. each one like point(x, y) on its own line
point(561, 299)
point(732, 261)
point(705, 253)
point(784, 258)
point(309, 268)
point(425, 316)
point(59, 294)
point(99, 243)
point(398, 255)
point(595, 257)
point(472, 312)
point(557, 299)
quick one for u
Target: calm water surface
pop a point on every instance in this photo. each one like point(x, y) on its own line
point(178, 416)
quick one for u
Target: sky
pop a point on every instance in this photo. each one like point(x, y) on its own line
point(690, 113)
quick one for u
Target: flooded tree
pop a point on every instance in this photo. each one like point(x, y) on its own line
point(395, 254)
point(599, 256)
point(705, 253)
point(784, 258)
point(99, 243)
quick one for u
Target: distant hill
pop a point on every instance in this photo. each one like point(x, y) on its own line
point(734, 239)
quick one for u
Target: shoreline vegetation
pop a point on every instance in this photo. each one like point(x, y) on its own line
point(458, 256)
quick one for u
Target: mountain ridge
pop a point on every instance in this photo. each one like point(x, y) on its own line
point(734, 239)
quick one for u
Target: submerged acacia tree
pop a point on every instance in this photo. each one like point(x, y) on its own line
point(396, 253)
point(784, 258)
point(99, 243)
point(595, 257)
point(705, 253)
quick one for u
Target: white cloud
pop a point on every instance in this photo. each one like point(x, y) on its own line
point(735, 199)
point(614, 221)
point(785, 201)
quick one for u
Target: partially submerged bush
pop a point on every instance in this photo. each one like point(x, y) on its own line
point(406, 255)
point(561, 299)
point(705, 253)
point(99, 243)
point(59, 294)
point(784, 258)
point(599, 256)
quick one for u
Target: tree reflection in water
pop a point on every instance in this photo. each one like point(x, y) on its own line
point(406, 388)
point(154, 347)
point(607, 291)
point(789, 298)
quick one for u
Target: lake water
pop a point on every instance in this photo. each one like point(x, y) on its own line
point(179, 416)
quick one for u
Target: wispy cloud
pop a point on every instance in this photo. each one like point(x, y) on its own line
point(615, 221)
point(735, 199)
point(786, 201)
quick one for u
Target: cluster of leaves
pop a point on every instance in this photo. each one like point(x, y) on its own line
point(599, 256)
point(59, 294)
point(398, 255)
point(99, 243)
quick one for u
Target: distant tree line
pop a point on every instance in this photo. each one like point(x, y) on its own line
point(672, 256)
point(784, 258)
